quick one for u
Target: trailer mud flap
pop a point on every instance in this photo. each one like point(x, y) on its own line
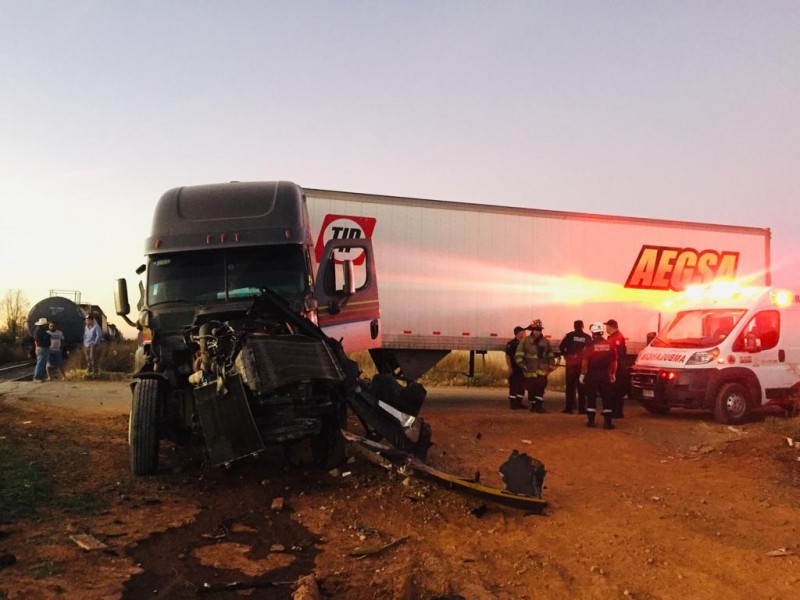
point(229, 431)
point(392, 458)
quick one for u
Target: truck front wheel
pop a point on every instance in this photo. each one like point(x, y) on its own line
point(733, 404)
point(143, 431)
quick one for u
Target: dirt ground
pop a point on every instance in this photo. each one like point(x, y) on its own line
point(673, 506)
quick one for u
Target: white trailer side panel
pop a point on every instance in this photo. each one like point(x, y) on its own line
point(461, 276)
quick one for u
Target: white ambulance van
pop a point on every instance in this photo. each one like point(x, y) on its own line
point(728, 349)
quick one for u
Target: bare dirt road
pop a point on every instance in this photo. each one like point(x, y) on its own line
point(675, 506)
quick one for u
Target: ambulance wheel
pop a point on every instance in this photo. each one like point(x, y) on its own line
point(143, 429)
point(733, 404)
point(327, 448)
point(656, 409)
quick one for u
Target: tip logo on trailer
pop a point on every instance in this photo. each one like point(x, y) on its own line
point(343, 227)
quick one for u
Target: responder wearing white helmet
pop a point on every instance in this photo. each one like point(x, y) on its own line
point(598, 369)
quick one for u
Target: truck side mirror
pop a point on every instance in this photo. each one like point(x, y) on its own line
point(121, 303)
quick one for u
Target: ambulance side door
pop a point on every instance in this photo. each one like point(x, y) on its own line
point(761, 345)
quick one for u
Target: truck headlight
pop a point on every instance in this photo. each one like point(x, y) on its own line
point(704, 357)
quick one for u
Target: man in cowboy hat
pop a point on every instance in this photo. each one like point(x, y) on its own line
point(42, 340)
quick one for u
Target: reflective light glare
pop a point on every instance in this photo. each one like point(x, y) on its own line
point(782, 298)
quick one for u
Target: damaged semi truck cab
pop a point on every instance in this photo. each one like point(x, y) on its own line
point(229, 307)
point(729, 350)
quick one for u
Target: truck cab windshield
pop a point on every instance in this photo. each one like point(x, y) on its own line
point(698, 328)
point(214, 275)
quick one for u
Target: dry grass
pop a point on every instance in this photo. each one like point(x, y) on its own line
point(452, 370)
point(116, 361)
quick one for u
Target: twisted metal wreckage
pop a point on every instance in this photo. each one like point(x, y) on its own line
point(247, 369)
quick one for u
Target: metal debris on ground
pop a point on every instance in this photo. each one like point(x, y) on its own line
point(396, 460)
point(87, 541)
point(359, 554)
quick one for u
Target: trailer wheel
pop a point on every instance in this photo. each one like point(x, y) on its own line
point(656, 409)
point(733, 404)
point(327, 448)
point(143, 429)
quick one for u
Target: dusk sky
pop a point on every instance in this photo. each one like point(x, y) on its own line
point(675, 110)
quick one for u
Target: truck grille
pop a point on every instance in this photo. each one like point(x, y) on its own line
point(270, 362)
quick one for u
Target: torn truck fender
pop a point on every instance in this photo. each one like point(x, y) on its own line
point(392, 458)
point(407, 433)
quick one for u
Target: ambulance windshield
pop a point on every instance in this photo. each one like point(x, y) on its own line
point(700, 328)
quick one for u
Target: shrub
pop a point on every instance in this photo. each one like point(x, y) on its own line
point(114, 357)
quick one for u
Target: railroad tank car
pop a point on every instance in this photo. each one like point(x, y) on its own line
point(67, 316)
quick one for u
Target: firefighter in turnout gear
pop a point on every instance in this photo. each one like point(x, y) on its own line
point(598, 373)
point(536, 359)
point(571, 348)
point(516, 379)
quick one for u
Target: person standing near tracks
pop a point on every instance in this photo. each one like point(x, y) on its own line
point(571, 348)
point(598, 372)
point(92, 336)
point(55, 360)
point(619, 387)
point(42, 340)
point(516, 379)
point(536, 359)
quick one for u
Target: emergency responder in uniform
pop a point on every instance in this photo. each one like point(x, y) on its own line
point(571, 347)
point(516, 379)
point(536, 358)
point(598, 372)
point(620, 386)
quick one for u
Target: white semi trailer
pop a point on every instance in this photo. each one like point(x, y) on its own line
point(459, 276)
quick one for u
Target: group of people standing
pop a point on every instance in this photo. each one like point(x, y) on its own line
point(595, 366)
point(49, 342)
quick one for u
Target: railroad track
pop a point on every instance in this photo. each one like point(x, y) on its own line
point(21, 371)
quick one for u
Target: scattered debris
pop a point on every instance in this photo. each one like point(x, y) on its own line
point(780, 552)
point(396, 460)
point(87, 541)
point(210, 588)
point(526, 442)
point(371, 552)
point(522, 475)
point(277, 548)
point(277, 504)
point(479, 511)
point(734, 430)
point(307, 589)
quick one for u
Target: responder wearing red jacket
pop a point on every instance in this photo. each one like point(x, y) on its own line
point(598, 373)
point(619, 387)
